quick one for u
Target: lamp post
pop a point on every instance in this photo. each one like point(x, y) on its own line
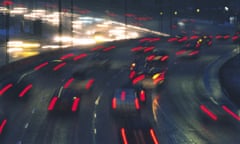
point(125, 16)
point(60, 22)
point(72, 22)
point(7, 3)
point(161, 20)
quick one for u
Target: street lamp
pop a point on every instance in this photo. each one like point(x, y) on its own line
point(161, 19)
point(125, 11)
point(60, 22)
point(72, 21)
point(7, 3)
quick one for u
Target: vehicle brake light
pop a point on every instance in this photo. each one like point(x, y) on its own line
point(231, 113)
point(75, 104)
point(25, 90)
point(66, 56)
point(132, 74)
point(67, 84)
point(4, 89)
point(153, 135)
point(80, 56)
point(208, 112)
point(41, 66)
point(124, 137)
point(164, 58)
point(142, 96)
point(123, 95)
point(137, 105)
point(114, 103)
point(89, 84)
point(52, 103)
point(4, 122)
point(139, 78)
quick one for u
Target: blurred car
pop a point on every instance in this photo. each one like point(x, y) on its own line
point(222, 112)
point(188, 52)
point(150, 78)
point(205, 40)
point(236, 37)
point(143, 48)
point(138, 131)
point(3, 122)
point(222, 36)
point(150, 39)
point(64, 100)
point(157, 58)
point(82, 81)
point(125, 102)
point(141, 94)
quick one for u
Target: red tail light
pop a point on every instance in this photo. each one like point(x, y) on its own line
point(4, 122)
point(139, 48)
point(132, 74)
point(194, 37)
point(83, 55)
point(59, 66)
point(124, 137)
point(164, 58)
point(150, 58)
point(137, 105)
point(109, 48)
point(208, 112)
point(142, 96)
point(153, 136)
point(75, 104)
point(25, 90)
point(67, 84)
point(41, 66)
point(52, 103)
point(226, 37)
point(97, 48)
point(4, 89)
point(123, 95)
point(234, 38)
point(66, 56)
point(172, 39)
point(231, 113)
point(139, 78)
point(114, 103)
point(193, 53)
point(89, 84)
point(180, 52)
point(148, 49)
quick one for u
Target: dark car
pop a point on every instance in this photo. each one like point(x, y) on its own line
point(188, 52)
point(64, 100)
point(125, 102)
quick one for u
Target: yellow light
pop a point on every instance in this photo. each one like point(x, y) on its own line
point(156, 76)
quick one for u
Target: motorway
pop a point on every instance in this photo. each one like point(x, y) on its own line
point(173, 111)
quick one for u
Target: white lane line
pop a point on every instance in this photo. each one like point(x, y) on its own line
point(24, 75)
point(97, 100)
point(26, 125)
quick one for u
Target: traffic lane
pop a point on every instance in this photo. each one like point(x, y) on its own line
point(186, 84)
point(39, 93)
point(229, 75)
point(21, 112)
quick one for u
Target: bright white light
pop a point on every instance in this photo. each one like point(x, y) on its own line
point(3, 9)
point(181, 23)
point(15, 49)
point(18, 11)
point(21, 44)
point(226, 8)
